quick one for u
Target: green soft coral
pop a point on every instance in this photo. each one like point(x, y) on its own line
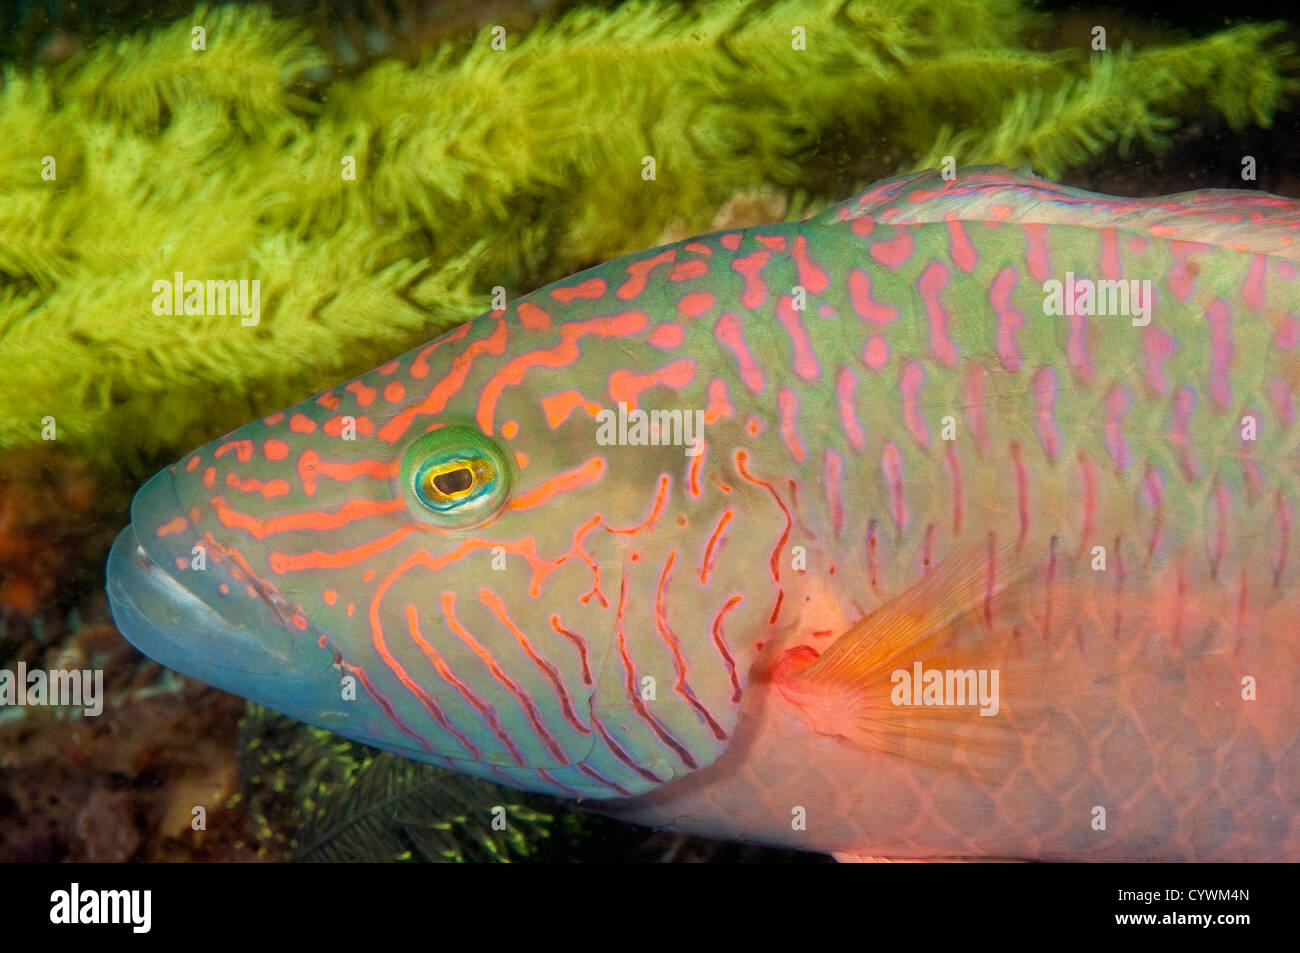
point(480, 167)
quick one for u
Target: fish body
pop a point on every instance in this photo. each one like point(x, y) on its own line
point(955, 521)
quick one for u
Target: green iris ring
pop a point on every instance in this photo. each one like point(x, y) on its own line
point(447, 451)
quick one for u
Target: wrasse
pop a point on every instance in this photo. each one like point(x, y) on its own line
point(956, 521)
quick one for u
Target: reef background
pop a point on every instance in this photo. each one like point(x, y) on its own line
point(1184, 97)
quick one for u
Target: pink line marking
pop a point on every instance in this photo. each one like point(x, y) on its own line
point(1118, 402)
point(846, 388)
point(1156, 347)
point(788, 402)
point(1010, 320)
point(749, 267)
point(962, 251)
point(933, 280)
point(1045, 390)
point(833, 470)
point(728, 331)
point(805, 363)
point(891, 464)
point(1220, 319)
point(913, 378)
point(894, 252)
point(860, 297)
point(811, 276)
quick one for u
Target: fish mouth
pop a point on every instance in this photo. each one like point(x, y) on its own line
point(163, 618)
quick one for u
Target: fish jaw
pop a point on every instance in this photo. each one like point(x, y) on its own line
point(151, 607)
point(157, 610)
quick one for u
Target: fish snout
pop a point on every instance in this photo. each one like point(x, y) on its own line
point(183, 598)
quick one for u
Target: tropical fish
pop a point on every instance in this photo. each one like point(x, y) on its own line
point(955, 521)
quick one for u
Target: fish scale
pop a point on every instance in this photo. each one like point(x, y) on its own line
point(904, 460)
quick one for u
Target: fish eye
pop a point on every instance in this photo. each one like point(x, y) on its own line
point(455, 476)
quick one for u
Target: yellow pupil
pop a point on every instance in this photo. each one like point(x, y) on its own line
point(457, 479)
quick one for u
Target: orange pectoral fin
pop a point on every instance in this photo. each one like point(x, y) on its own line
point(926, 673)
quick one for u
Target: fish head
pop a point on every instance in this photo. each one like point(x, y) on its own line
point(454, 557)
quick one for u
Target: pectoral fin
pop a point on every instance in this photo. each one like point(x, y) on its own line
point(928, 674)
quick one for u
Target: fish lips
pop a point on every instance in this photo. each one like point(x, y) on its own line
point(162, 617)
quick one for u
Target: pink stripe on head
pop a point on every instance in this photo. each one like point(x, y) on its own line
point(1279, 392)
point(1220, 320)
point(750, 267)
point(1110, 253)
point(788, 403)
point(1252, 291)
point(891, 465)
point(958, 489)
point(1180, 430)
point(811, 276)
point(695, 303)
point(845, 389)
point(666, 336)
point(719, 402)
point(960, 249)
point(1118, 402)
point(932, 281)
point(876, 354)
point(1022, 489)
point(1287, 334)
point(910, 384)
point(365, 395)
point(1088, 490)
point(514, 371)
point(639, 273)
point(625, 386)
point(833, 470)
point(1010, 320)
point(687, 270)
point(1157, 346)
point(860, 296)
point(805, 363)
point(728, 331)
point(591, 288)
point(1040, 263)
point(532, 317)
point(1153, 486)
point(1045, 386)
point(1076, 348)
point(894, 252)
point(1183, 272)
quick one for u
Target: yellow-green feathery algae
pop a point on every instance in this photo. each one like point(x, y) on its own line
point(502, 161)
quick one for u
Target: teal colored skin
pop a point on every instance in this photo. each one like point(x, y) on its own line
point(879, 386)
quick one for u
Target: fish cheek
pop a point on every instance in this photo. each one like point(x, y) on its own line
point(488, 652)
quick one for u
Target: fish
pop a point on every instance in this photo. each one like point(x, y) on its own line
point(955, 521)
